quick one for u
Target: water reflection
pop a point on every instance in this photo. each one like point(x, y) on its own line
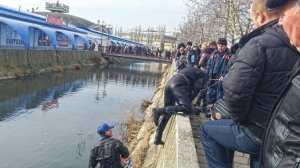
point(49, 121)
point(17, 96)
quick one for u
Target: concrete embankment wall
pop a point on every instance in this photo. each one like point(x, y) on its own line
point(179, 149)
point(23, 62)
point(183, 147)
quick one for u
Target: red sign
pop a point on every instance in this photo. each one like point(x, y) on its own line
point(55, 20)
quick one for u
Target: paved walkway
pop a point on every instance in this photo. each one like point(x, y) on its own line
point(240, 160)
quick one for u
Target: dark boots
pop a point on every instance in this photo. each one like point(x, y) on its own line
point(159, 131)
point(157, 112)
point(157, 140)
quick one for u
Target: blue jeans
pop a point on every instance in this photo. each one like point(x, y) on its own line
point(221, 138)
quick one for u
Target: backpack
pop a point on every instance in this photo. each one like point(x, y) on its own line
point(107, 150)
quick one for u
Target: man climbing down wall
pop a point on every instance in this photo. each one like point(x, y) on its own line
point(179, 93)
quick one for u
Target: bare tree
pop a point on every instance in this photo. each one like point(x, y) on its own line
point(210, 19)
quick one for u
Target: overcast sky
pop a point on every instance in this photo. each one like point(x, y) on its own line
point(125, 13)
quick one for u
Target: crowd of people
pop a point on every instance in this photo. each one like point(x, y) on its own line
point(213, 59)
point(256, 81)
point(126, 49)
point(114, 48)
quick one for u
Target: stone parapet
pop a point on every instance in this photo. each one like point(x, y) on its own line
point(23, 62)
point(179, 150)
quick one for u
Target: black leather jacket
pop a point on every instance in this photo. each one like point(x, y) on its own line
point(183, 87)
point(282, 140)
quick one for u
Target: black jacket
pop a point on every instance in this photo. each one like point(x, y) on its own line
point(107, 153)
point(256, 79)
point(234, 50)
point(184, 86)
point(282, 141)
point(257, 32)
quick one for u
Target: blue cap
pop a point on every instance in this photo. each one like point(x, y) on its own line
point(103, 128)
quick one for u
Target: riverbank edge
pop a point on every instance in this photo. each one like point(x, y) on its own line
point(20, 63)
point(141, 145)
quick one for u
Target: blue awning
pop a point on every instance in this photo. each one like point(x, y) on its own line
point(69, 34)
point(50, 32)
point(23, 29)
point(84, 38)
point(18, 26)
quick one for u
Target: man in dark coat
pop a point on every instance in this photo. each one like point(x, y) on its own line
point(108, 152)
point(216, 70)
point(265, 19)
point(178, 96)
point(251, 88)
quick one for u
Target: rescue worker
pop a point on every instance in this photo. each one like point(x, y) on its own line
point(108, 152)
point(178, 96)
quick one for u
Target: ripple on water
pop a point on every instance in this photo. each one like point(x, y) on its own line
point(50, 121)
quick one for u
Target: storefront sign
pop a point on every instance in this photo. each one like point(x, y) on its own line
point(55, 20)
point(15, 42)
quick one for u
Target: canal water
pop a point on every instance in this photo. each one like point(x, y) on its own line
point(50, 121)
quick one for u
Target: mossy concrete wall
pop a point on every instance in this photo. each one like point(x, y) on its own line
point(23, 62)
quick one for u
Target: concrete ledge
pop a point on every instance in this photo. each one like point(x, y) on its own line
point(179, 149)
point(185, 145)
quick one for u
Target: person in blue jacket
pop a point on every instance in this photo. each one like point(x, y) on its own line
point(217, 67)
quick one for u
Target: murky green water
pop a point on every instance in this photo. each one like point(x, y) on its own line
point(50, 121)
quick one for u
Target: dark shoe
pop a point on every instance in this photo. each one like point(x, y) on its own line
point(158, 142)
point(158, 136)
point(159, 133)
